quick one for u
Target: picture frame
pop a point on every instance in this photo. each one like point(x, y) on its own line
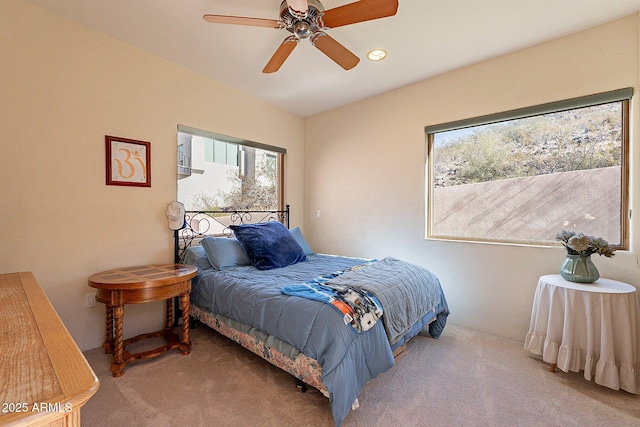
point(128, 162)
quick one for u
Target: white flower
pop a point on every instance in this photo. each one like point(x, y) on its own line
point(579, 244)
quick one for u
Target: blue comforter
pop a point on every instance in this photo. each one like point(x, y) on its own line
point(348, 359)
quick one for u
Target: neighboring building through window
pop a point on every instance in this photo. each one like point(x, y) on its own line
point(525, 175)
point(222, 152)
point(228, 173)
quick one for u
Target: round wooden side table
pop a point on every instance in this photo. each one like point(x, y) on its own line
point(136, 285)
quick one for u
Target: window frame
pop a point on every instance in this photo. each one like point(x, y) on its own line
point(621, 95)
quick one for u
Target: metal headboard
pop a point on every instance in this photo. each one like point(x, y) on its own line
point(200, 224)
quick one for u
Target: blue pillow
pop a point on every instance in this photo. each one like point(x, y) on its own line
point(224, 252)
point(195, 255)
point(297, 234)
point(269, 245)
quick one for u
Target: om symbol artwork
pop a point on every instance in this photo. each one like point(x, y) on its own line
point(128, 167)
point(128, 162)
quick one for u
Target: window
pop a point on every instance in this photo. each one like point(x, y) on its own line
point(525, 175)
point(228, 173)
point(222, 152)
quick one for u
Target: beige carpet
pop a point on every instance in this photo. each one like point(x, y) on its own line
point(465, 378)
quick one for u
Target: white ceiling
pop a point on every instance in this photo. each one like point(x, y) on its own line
point(425, 38)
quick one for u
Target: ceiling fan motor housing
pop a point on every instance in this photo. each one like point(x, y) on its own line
point(305, 25)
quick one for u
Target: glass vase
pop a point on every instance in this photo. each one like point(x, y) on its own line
point(578, 268)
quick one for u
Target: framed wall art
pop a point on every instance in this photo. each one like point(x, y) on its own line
point(128, 162)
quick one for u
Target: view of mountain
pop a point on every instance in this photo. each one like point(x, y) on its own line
point(578, 139)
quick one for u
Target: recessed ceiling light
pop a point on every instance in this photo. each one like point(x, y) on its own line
point(377, 54)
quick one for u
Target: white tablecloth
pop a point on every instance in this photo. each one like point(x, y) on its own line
point(591, 327)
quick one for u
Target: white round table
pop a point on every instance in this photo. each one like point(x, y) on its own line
point(590, 327)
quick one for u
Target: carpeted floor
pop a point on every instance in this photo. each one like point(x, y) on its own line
point(465, 378)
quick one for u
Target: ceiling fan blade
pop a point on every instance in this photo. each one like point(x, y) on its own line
point(334, 50)
point(241, 20)
point(359, 11)
point(300, 6)
point(281, 55)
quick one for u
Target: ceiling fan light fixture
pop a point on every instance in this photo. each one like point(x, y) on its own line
point(377, 55)
point(302, 29)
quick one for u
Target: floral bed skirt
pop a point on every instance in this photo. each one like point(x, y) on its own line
point(302, 367)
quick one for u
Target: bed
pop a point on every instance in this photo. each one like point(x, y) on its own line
point(327, 320)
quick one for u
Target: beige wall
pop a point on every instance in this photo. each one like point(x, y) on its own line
point(63, 87)
point(365, 166)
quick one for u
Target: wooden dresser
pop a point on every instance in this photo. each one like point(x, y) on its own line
point(44, 378)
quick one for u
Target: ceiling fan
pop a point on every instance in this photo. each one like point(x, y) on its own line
point(308, 19)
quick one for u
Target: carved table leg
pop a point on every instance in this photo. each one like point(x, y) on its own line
point(169, 314)
point(108, 342)
point(552, 368)
point(117, 367)
point(185, 345)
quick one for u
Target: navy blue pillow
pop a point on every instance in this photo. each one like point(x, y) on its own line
point(269, 245)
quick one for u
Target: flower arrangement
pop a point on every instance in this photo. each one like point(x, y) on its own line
point(579, 244)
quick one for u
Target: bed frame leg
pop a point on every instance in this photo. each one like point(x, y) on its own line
point(193, 323)
point(301, 386)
